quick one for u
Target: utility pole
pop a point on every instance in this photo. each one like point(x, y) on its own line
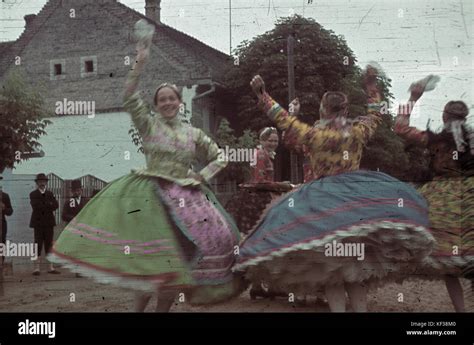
point(1, 232)
point(291, 96)
point(230, 27)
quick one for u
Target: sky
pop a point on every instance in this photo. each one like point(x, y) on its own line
point(408, 38)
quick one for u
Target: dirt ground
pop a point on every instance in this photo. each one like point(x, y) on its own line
point(24, 292)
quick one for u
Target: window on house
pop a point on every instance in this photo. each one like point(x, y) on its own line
point(89, 66)
point(58, 69)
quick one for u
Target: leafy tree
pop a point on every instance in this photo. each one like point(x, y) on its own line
point(22, 120)
point(21, 125)
point(235, 171)
point(323, 62)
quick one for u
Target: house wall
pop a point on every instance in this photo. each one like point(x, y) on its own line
point(102, 31)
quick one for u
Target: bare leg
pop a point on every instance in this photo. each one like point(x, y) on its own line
point(455, 292)
point(357, 296)
point(165, 300)
point(336, 296)
point(141, 301)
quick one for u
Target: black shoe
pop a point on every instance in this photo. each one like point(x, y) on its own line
point(275, 293)
point(256, 292)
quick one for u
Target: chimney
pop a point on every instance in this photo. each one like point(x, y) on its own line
point(29, 19)
point(153, 9)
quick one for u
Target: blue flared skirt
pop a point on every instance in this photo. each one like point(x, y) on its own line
point(360, 226)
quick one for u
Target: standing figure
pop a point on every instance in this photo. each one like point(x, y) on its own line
point(75, 203)
point(254, 196)
point(7, 210)
point(248, 205)
point(42, 220)
point(450, 194)
point(158, 229)
point(345, 229)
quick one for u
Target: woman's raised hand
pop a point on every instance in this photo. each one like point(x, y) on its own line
point(370, 81)
point(416, 92)
point(143, 52)
point(258, 85)
point(294, 107)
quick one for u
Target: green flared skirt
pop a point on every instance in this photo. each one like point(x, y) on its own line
point(132, 234)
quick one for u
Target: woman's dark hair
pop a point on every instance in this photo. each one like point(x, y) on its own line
point(455, 110)
point(333, 104)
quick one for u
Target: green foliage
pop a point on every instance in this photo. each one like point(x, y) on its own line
point(22, 120)
point(236, 171)
point(323, 62)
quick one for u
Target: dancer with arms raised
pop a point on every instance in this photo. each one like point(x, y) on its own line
point(342, 207)
point(450, 194)
point(159, 228)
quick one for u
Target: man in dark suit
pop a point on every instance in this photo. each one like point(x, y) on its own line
point(7, 210)
point(42, 220)
point(75, 203)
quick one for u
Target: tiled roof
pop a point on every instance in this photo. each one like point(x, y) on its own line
point(5, 46)
point(212, 58)
point(15, 49)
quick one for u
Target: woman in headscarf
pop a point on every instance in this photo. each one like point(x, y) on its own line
point(450, 194)
point(254, 196)
point(257, 193)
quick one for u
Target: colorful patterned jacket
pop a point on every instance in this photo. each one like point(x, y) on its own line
point(331, 150)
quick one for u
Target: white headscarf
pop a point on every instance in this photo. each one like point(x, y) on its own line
point(455, 128)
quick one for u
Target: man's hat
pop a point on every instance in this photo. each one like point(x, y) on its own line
point(40, 177)
point(76, 184)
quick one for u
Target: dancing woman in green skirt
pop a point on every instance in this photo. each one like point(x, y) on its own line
point(159, 228)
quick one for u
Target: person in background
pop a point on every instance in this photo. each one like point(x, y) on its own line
point(75, 203)
point(7, 210)
point(42, 220)
point(248, 205)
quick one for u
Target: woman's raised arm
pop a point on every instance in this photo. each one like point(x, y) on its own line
point(299, 131)
point(133, 103)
